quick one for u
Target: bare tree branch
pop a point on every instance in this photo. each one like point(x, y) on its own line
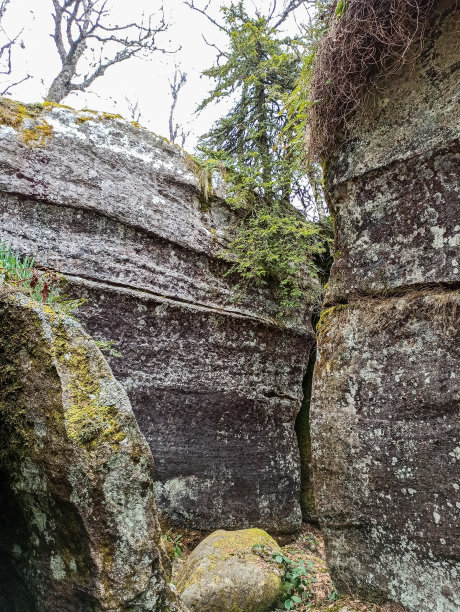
point(290, 5)
point(80, 22)
point(6, 51)
point(8, 88)
point(203, 11)
point(134, 110)
point(220, 53)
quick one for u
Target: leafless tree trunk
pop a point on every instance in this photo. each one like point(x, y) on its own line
point(79, 23)
point(6, 49)
point(179, 80)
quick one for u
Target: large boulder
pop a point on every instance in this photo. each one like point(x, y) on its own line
point(385, 406)
point(215, 384)
point(224, 574)
point(79, 528)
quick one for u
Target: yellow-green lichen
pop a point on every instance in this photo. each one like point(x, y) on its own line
point(96, 116)
point(111, 116)
point(84, 118)
point(14, 114)
point(88, 421)
point(48, 104)
point(35, 136)
point(243, 540)
point(325, 319)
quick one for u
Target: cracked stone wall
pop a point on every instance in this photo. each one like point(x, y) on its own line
point(386, 392)
point(215, 385)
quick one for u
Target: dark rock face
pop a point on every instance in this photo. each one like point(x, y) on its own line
point(385, 407)
point(394, 190)
point(386, 447)
point(79, 528)
point(215, 385)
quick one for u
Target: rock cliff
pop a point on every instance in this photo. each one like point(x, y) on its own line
point(385, 406)
point(215, 385)
point(79, 529)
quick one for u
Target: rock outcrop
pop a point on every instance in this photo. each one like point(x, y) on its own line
point(215, 385)
point(79, 529)
point(385, 407)
point(224, 574)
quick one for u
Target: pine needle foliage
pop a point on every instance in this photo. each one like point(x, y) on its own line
point(279, 250)
point(275, 244)
point(260, 67)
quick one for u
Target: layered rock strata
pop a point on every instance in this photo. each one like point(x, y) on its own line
point(215, 384)
point(385, 408)
point(79, 529)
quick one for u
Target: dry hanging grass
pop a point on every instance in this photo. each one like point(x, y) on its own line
point(367, 38)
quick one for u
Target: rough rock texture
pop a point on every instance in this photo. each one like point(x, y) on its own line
point(215, 385)
point(79, 529)
point(223, 574)
point(385, 407)
point(395, 189)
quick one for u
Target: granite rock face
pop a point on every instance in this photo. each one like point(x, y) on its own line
point(215, 385)
point(386, 392)
point(79, 528)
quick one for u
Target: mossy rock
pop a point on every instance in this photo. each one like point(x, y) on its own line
point(79, 528)
point(223, 574)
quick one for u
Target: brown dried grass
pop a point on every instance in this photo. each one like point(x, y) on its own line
point(369, 38)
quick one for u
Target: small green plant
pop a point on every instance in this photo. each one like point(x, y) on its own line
point(340, 8)
point(22, 273)
point(333, 594)
point(40, 285)
point(277, 250)
point(298, 576)
point(68, 307)
point(175, 541)
point(205, 170)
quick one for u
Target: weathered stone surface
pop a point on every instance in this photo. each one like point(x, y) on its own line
point(223, 574)
point(79, 529)
point(395, 191)
point(386, 433)
point(215, 385)
point(386, 392)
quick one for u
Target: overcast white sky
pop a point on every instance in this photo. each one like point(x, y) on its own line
point(135, 79)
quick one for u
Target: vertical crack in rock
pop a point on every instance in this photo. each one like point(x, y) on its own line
point(302, 428)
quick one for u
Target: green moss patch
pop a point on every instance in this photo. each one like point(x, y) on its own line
point(88, 421)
